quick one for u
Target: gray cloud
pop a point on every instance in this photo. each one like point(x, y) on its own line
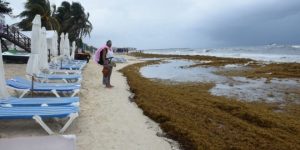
point(190, 23)
point(274, 22)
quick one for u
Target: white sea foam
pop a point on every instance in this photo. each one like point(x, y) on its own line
point(269, 53)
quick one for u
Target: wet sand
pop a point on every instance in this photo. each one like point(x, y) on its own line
point(108, 120)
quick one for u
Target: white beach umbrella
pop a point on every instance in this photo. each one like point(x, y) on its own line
point(56, 43)
point(33, 62)
point(54, 51)
point(43, 62)
point(73, 50)
point(3, 90)
point(61, 44)
point(67, 46)
point(54, 47)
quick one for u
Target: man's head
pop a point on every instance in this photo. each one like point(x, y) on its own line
point(108, 43)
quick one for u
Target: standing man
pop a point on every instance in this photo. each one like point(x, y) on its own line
point(103, 57)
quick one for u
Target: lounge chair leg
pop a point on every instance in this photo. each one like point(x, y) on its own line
point(75, 92)
point(39, 120)
point(65, 80)
point(71, 119)
point(24, 93)
point(55, 93)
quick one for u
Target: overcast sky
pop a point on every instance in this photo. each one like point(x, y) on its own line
point(149, 24)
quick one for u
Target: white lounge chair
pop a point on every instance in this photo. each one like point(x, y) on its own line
point(40, 113)
point(25, 88)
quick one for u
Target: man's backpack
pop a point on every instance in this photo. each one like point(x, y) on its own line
point(101, 61)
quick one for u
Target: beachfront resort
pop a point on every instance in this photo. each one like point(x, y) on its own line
point(61, 91)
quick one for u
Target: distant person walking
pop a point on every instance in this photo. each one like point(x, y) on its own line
point(103, 56)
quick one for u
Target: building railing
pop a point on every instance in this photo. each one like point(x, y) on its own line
point(13, 35)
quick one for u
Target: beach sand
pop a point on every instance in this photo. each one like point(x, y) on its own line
point(108, 120)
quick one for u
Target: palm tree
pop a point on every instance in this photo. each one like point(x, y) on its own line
point(74, 20)
point(4, 9)
point(63, 15)
point(41, 7)
point(84, 26)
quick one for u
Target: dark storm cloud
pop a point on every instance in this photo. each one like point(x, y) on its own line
point(274, 22)
point(191, 23)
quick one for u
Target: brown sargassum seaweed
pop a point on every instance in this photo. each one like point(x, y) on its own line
point(188, 113)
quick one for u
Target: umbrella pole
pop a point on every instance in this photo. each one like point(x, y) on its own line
point(32, 78)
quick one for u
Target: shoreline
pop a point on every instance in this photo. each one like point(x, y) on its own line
point(188, 113)
point(185, 112)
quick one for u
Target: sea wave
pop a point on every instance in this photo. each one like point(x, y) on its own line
point(269, 53)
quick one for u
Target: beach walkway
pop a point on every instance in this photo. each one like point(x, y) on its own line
point(108, 120)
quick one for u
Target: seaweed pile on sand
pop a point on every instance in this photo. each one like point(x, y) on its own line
point(188, 113)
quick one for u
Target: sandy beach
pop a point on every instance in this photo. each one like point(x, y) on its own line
point(108, 120)
point(212, 76)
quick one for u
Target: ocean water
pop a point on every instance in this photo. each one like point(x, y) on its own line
point(276, 90)
point(177, 70)
point(268, 53)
